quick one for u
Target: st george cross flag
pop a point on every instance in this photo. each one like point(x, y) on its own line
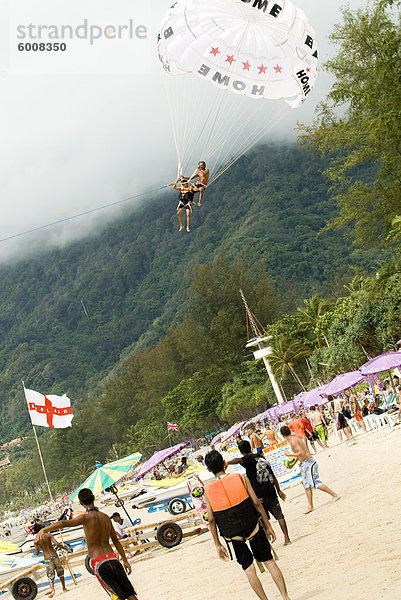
point(172, 426)
point(49, 411)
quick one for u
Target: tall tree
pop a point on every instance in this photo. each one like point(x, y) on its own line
point(359, 124)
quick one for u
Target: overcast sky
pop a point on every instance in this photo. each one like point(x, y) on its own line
point(91, 126)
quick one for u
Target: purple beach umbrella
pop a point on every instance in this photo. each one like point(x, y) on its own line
point(232, 431)
point(158, 458)
point(343, 382)
point(383, 362)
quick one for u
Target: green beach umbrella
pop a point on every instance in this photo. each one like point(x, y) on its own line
point(106, 475)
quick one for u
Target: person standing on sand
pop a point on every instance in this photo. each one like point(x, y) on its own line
point(318, 423)
point(255, 440)
point(233, 508)
point(98, 532)
point(270, 435)
point(264, 483)
point(52, 561)
point(309, 468)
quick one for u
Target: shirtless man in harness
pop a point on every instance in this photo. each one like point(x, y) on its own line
point(203, 174)
point(111, 574)
point(233, 508)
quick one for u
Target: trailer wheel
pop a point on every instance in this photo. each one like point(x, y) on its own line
point(24, 589)
point(88, 565)
point(169, 534)
point(177, 506)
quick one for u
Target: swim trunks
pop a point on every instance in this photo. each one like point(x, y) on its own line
point(112, 576)
point(321, 432)
point(260, 547)
point(52, 565)
point(310, 474)
point(200, 185)
point(272, 507)
point(187, 206)
point(259, 450)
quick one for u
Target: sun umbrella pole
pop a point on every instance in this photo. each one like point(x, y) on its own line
point(121, 503)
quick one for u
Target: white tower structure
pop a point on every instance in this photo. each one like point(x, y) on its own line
point(263, 350)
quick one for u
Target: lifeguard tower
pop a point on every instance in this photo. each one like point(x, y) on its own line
point(263, 351)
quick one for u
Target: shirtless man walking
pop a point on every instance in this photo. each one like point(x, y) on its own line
point(98, 532)
point(52, 560)
point(309, 468)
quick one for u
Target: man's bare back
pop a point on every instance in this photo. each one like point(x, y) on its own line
point(270, 434)
point(46, 544)
point(316, 418)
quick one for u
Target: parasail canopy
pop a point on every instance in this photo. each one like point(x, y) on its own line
point(214, 52)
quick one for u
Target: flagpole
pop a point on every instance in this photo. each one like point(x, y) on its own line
point(40, 453)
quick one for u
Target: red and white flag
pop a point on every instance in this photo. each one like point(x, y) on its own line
point(172, 426)
point(49, 411)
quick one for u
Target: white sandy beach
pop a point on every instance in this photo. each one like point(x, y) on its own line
point(348, 550)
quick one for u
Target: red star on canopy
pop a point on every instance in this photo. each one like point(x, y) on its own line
point(214, 51)
point(262, 69)
point(246, 66)
point(278, 69)
point(308, 70)
point(230, 59)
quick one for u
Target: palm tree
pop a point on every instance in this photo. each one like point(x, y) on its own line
point(286, 351)
point(82, 471)
point(311, 312)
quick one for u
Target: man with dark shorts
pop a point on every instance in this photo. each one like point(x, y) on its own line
point(111, 574)
point(234, 509)
point(267, 488)
point(185, 199)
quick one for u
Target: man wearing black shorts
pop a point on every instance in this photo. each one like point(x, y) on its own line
point(185, 199)
point(264, 483)
point(234, 509)
point(111, 574)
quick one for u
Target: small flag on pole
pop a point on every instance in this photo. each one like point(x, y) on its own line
point(172, 426)
point(49, 411)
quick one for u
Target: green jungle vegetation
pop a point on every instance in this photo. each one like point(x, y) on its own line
point(140, 324)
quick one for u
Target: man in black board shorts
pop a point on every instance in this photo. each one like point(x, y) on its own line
point(111, 574)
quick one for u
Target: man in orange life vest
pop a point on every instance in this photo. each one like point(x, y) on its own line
point(234, 509)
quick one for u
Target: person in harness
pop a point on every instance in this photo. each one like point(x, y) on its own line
point(185, 199)
point(235, 511)
point(264, 484)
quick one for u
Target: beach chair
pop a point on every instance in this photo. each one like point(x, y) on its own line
point(353, 423)
point(369, 422)
point(391, 418)
point(380, 421)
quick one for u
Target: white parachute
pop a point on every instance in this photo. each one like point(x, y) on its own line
point(220, 56)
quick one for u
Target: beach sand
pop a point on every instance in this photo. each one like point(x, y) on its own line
point(349, 550)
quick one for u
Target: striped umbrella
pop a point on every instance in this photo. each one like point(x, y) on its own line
point(106, 475)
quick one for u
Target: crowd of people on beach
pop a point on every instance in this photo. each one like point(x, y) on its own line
point(239, 507)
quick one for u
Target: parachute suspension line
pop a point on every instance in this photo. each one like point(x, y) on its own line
point(223, 95)
point(251, 141)
point(174, 128)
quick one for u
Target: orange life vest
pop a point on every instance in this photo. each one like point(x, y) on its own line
point(233, 509)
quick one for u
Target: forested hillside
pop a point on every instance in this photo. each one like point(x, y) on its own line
point(67, 316)
point(129, 278)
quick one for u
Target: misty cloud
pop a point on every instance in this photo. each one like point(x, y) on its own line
point(73, 142)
